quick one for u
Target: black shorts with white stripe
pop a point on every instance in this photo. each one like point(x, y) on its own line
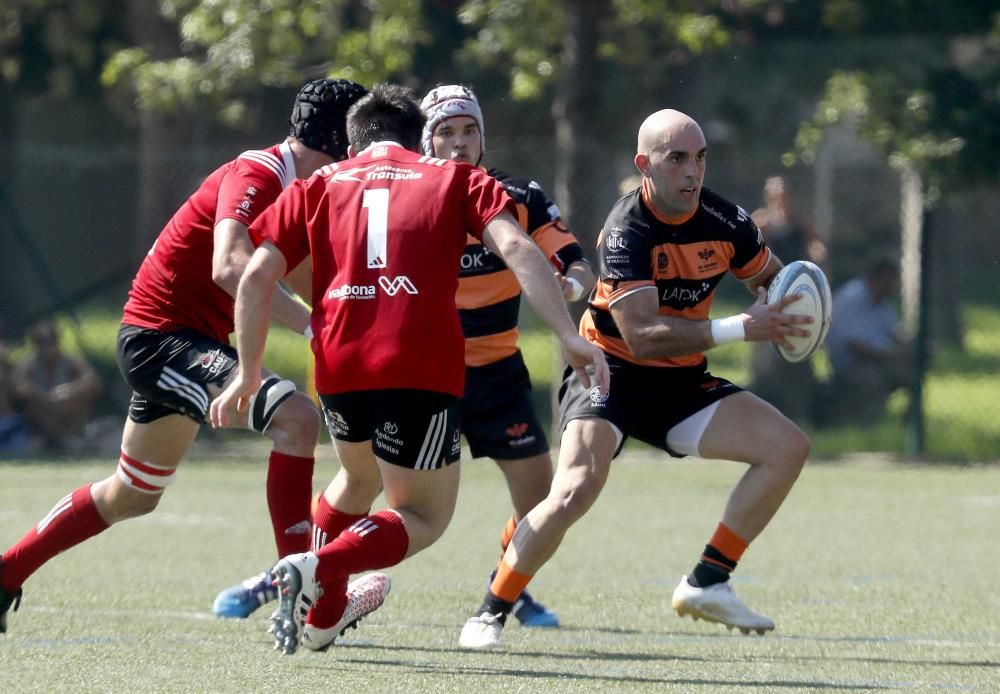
point(170, 372)
point(416, 429)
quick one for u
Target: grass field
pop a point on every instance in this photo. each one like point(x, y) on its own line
point(879, 576)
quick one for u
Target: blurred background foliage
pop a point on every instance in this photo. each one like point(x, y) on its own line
point(129, 103)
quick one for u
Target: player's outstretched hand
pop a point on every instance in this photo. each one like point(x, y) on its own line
point(235, 398)
point(766, 323)
point(588, 361)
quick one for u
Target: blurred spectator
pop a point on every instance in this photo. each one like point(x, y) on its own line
point(56, 391)
point(792, 388)
point(788, 235)
point(868, 354)
point(13, 433)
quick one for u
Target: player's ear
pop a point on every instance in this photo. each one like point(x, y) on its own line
point(641, 162)
point(351, 152)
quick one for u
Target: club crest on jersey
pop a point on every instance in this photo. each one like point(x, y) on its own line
point(615, 241)
point(662, 261)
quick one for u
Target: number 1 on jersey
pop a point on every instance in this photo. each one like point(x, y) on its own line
point(377, 202)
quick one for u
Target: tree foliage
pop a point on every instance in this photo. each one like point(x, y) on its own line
point(233, 47)
point(942, 120)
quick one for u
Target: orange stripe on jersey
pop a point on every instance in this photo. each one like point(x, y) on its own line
point(480, 351)
point(486, 290)
point(552, 238)
point(609, 291)
point(617, 347)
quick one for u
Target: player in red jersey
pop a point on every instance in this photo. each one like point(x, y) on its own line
point(173, 349)
point(498, 416)
point(385, 230)
point(663, 249)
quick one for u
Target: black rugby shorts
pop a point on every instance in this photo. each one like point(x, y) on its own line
point(416, 429)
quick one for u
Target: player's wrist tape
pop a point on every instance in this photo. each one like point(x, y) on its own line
point(576, 289)
point(308, 332)
point(728, 330)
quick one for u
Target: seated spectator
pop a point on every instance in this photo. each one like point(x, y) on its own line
point(56, 391)
point(869, 356)
point(13, 433)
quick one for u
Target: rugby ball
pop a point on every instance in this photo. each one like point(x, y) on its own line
point(805, 278)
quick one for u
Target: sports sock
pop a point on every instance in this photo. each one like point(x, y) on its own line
point(289, 495)
point(508, 584)
point(719, 559)
point(374, 542)
point(495, 606)
point(72, 520)
point(508, 534)
point(328, 522)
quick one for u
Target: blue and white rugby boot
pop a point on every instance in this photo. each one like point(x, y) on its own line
point(243, 599)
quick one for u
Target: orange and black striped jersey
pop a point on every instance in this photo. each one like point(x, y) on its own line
point(682, 260)
point(489, 296)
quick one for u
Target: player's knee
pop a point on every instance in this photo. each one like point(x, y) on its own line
point(296, 421)
point(795, 450)
point(574, 500)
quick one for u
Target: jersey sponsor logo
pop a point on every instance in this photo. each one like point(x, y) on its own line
point(718, 215)
point(352, 291)
point(392, 173)
point(456, 442)
point(391, 428)
point(392, 287)
point(615, 241)
point(707, 264)
point(474, 259)
point(684, 297)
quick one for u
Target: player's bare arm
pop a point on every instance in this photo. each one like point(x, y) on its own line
point(650, 335)
point(253, 309)
point(505, 237)
point(577, 280)
point(231, 253)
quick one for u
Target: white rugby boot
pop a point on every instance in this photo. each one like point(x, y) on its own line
point(295, 578)
point(481, 632)
point(718, 603)
point(364, 596)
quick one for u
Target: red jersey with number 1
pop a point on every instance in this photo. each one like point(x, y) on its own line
point(386, 231)
point(174, 289)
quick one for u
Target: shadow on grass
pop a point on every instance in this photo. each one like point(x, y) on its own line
point(452, 670)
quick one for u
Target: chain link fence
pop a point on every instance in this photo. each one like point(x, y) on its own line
point(68, 221)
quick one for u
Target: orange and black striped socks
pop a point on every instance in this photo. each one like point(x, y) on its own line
point(719, 559)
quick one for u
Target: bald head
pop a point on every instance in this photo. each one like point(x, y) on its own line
point(671, 159)
point(665, 127)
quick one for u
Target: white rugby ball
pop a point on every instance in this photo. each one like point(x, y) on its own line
point(804, 278)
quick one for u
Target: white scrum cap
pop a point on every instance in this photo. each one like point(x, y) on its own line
point(449, 101)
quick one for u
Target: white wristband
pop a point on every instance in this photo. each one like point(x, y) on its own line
point(308, 332)
point(728, 330)
point(576, 289)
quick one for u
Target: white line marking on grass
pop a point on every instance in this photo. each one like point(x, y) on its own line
point(125, 612)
